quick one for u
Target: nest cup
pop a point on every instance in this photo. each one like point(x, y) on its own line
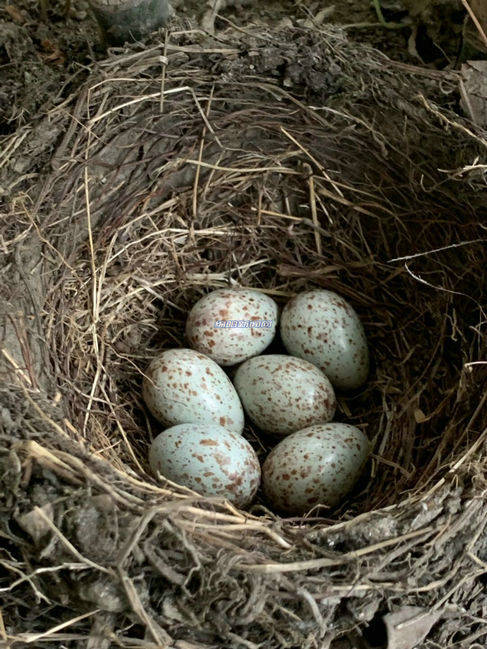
point(283, 163)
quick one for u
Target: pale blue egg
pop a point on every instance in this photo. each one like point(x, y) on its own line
point(315, 466)
point(183, 386)
point(323, 328)
point(208, 459)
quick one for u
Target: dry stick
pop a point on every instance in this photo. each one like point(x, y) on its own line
point(246, 643)
point(458, 464)
point(394, 465)
point(204, 513)
point(470, 577)
point(91, 244)
point(475, 21)
point(3, 632)
point(11, 243)
point(466, 168)
point(205, 119)
point(142, 523)
point(245, 170)
point(340, 198)
point(472, 543)
point(247, 526)
point(68, 545)
point(156, 234)
point(390, 585)
point(460, 439)
point(23, 577)
point(344, 201)
point(434, 250)
point(200, 157)
point(46, 242)
point(34, 449)
point(313, 159)
point(39, 410)
point(234, 510)
point(63, 625)
point(14, 144)
point(96, 378)
point(309, 599)
point(280, 215)
point(213, 537)
point(259, 207)
point(312, 202)
point(161, 637)
point(215, 540)
point(42, 571)
point(25, 377)
point(476, 412)
point(95, 292)
point(477, 560)
point(313, 564)
point(127, 499)
point(468, 104)
point(164, 66)
point(122, 59)
point(58, 637)
point(153, 95)
point(208, 20)
point(444, 120)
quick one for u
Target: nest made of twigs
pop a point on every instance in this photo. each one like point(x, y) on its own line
point(279, 162)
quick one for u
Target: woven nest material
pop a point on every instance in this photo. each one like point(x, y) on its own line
point(278, 161)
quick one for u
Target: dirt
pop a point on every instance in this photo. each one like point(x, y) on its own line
point(42, 59)
point(44, 51)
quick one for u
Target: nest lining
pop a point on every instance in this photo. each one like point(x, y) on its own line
point(281, 163)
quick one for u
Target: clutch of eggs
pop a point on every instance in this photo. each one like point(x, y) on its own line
point(317, 462)
point(231, 325)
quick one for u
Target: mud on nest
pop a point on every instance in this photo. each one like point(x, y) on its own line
point(279, 161)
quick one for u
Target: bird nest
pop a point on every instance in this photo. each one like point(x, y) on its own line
point(278, 161)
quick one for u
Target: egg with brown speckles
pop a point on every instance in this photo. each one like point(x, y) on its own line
point(208, 459)
point(183, 386)
point(322, 327)
point(282, 394)
point(315, 466)
point(231, 325)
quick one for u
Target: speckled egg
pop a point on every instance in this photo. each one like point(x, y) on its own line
point(183, 386)
point(208, 459)
point(322, 327)
point(231, 325)
point(315, 466)
point(282, 394)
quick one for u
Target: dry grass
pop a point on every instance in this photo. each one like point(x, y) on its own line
point(280, 162)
